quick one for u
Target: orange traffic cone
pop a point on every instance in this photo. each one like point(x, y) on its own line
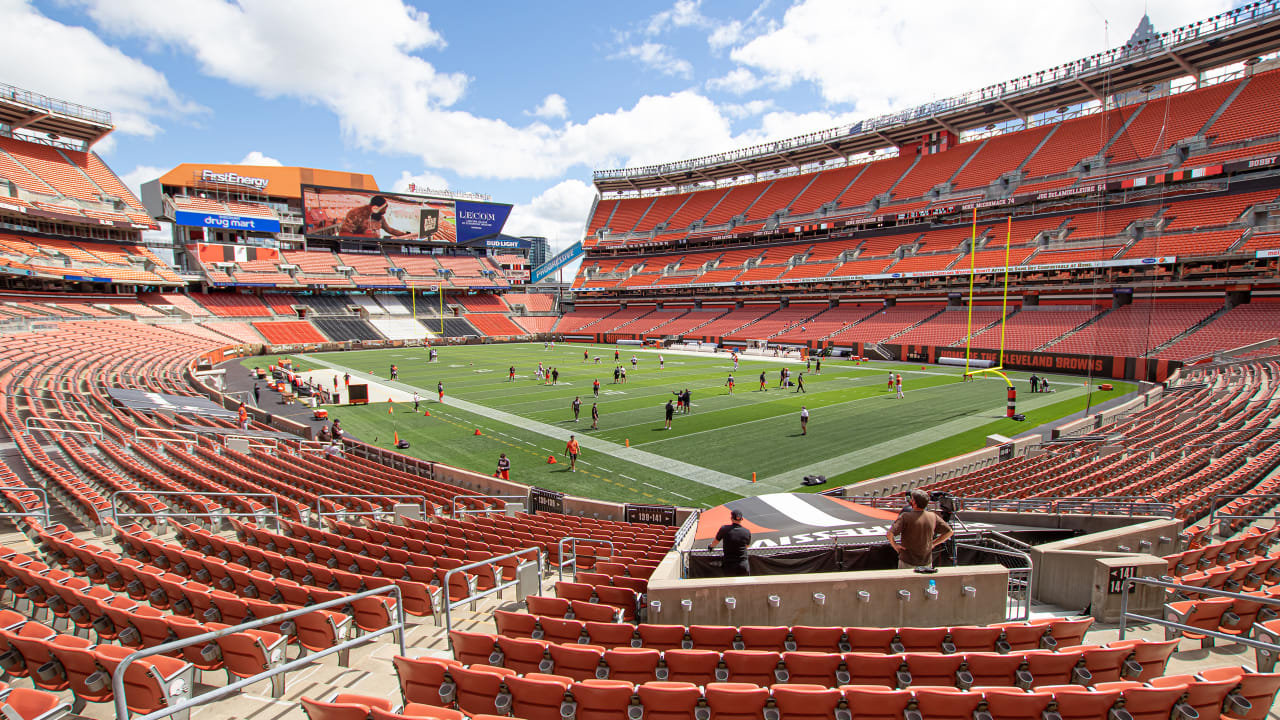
point(395, 438)
point(628, 442)
point(551, 459)
point(753, 477)
point(426, 413)
point(477, 431)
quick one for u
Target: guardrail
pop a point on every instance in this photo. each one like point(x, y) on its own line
point(573, 548)
point(185, 437)
point(421, 502)
point(1266, 650)
point(498, 585)
point(396, 627)
point(44, 504)
point(254, 441)
point(689, 524)
point(275, 503)
point(454, 511)
point(1220, 500)
point(35, 420)
point(1129, 506)
point(1018, 602)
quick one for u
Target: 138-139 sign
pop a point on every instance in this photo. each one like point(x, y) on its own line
point(652, 514)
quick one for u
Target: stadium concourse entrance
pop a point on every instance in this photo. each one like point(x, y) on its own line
point(795, 533)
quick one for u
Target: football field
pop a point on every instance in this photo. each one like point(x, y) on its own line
point(858, 429)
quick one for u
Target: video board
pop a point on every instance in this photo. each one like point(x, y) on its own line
point(352, 214)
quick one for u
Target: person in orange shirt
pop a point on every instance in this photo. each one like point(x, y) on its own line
point(244, 417)
point(571, 449)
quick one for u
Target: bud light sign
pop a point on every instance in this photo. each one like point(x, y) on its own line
point(477, 220)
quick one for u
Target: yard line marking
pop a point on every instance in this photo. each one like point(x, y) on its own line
point(655, 487)
point(679, 468)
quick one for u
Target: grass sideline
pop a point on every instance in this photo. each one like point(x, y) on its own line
point(858, 430)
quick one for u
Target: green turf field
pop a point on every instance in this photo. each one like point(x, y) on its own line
point(858, 429)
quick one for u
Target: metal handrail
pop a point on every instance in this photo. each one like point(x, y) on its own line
point(453, 503)
point(138, 431)
point(255, 441)
point(1131, 506)
point(1024, 574)
point(689, 524)
point(37, 419)
point(1220, 501)
point(449, 604)
point(421, 501)
point(275, 502)
point(44, 503)
point(573, 547)
point(117, 677)
point(1126, 616)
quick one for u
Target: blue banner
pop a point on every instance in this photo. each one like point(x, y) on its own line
point(226, 222)
point(565, 257)
point(476, 219)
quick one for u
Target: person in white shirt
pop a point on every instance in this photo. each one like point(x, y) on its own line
point(804, 420)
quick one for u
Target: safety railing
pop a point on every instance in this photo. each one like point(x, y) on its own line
point(182, 437)
point(498, 586)
point(254, 441)
point(420, 501)
point(73, 427)
point(226, 512)
point(396, 627)
point(43, 512)
point(690, 523)
point(1220, 501)
point(312, 446)
point(455, 512)
point(1128, 506)
point(1020, 567)
point(561, 563)
point(1267, 651)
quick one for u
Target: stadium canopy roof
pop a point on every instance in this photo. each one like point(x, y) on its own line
point(1231, 37)
point(57, 120)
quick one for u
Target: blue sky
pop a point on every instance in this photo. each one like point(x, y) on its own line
point(522, 100)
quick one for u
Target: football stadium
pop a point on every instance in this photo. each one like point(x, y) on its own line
point(968, 411)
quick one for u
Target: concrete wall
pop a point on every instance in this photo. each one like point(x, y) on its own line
point(842, 606)
point(1074, 573)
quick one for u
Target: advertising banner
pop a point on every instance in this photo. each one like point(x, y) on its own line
point(226, 222)
point(353, 214)
point(478, 219)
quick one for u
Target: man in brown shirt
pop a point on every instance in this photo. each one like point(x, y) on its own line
point(367, 220)
point(921, 531)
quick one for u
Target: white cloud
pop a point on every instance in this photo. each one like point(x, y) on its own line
point(881, 55)
point(356, 61)
point(738, 81)
point(84, 70)
point(725, 34)
point(553, 107)
point(255, 157)
point(657, 56)
point(748, 109)
point(141, 174)
point(421, 182)
point(685, 13)
point(559, 214)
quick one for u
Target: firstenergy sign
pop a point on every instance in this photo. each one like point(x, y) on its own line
point(231, 178)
